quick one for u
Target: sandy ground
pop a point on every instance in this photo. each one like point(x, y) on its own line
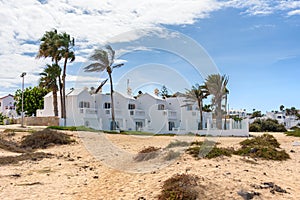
point(75, 173)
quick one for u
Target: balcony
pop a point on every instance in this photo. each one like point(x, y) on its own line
point(137, 113)
point(88, 111)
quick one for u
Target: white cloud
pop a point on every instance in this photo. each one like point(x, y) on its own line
point(94, 22)
point(294, 12)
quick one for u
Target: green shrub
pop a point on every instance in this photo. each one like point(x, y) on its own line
point(180, 187)
point(212, 152)
point(42, 139)
point(255, 127)
point(266, 125)
point(63, 128)
point(264, 140)
point(295, 133)
point(264, 147)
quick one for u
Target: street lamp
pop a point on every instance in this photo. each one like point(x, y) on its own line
point(22, 76)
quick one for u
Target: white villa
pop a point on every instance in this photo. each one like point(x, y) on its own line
point(7, 106)
point(147, 112)
point(287, 120)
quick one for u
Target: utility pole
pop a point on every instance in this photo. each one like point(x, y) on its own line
point(22, 114)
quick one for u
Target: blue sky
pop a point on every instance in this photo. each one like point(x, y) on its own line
point(256, 43)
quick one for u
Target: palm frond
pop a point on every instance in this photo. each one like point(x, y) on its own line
point(94, 67)
point(101, 85)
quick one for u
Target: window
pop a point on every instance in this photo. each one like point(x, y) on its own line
point(83, 104)
point(161, 107)
point(189, 107)
point(106, 105)
point(131, 112)
point(131, 106)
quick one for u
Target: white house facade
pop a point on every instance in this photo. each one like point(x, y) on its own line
point(7, 106)
point(147, 112)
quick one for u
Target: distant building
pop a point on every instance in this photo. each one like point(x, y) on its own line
point(239, 113)
point(7, 106)
point(287, 120)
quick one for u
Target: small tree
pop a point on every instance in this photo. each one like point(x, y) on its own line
point(164, 93)
point(33, 100)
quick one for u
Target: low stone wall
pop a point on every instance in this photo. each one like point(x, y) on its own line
point(40, 121)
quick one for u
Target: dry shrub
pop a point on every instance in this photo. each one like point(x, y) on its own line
point(178, 143)
point(147, 154)
point(11, 146)
point(44, 138)
point(171, 155)
point(180, 187)
point(6, 160)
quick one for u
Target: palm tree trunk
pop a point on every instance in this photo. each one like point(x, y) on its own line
point(113, 126)
point(64, 91)
point(55, 109)
point(201, 114)
point(219, 115)
point(225, 121)
point(60, 93)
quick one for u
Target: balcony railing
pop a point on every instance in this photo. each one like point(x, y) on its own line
point(88, 111)
point(137, 113)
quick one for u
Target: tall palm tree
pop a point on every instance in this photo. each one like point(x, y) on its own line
point(49, 81)
point(216, 85)
point(197, 94)
point(65, 46)
point(103, 60)
point(49, 48)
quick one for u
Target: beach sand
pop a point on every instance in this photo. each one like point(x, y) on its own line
point(74, 173)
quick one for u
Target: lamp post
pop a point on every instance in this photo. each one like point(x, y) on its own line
point(22, 76)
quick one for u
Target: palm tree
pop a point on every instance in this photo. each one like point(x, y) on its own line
point(216, 85)
point(226, 100)
point(49, 81)
point(103, 59)
point(197, 94)
point(65, 46)
point(49, 48)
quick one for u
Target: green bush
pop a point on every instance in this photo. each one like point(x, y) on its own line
point(266, 125)
point(264, 140)
point(264, 147)
point(212, 153)
point(63, 128)
point(255, 127)
point(295, 132)
point(180, 187)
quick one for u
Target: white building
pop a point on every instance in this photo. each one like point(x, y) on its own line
point(147, 112)
point(287, 120)
point(7, 106)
